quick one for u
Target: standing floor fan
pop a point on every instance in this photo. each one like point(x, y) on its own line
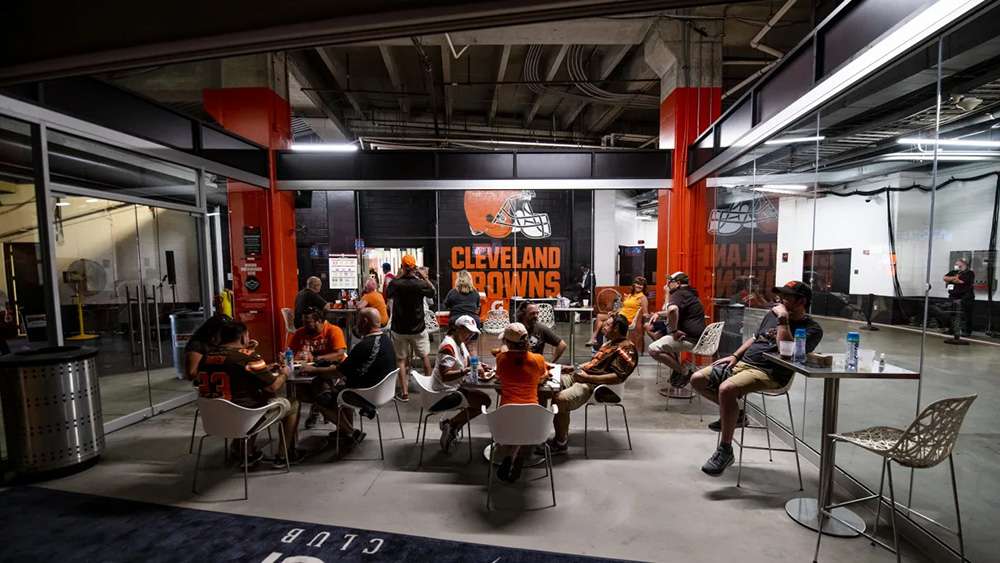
point(87, 278)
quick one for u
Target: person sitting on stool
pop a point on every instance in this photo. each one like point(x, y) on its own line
point(685, 318)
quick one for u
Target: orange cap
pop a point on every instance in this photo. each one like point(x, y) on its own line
point(409, 261)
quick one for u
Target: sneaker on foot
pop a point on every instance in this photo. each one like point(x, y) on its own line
point(402, 398)
point(555, 447)
point(716, 426)
point(503, 470)
point(448, 435)
point(253, 459)
point(295, 457)
point(720, 460)
point(680, 379)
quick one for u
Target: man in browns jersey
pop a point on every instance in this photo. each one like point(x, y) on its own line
point(233, 372)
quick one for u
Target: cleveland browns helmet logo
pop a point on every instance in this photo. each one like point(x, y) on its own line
point(498, 213)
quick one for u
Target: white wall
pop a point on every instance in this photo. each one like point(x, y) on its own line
point(616, 223)
point(963, 218)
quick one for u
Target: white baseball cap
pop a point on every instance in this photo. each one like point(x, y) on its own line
point(468, 323)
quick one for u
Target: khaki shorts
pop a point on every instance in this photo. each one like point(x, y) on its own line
point(574, 394)
point(668, 344)
point(745, 377)
point(407, 345)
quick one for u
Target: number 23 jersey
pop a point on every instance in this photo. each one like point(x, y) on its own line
point(235, 375)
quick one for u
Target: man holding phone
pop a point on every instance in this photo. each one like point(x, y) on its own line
point(406, 295)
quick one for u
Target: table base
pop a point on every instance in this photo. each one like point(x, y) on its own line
point(805, 511)
point(530, 461)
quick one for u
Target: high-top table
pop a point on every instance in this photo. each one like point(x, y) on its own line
point(805, 511)
point(572, 326)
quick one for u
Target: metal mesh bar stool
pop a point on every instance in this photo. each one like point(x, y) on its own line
point(547, 315)
point(925, 443)
point(767, 431)
point(497, 319)
point(706, 347)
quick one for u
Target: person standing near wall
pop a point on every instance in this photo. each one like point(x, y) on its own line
point(962, 297)
point(406, 295)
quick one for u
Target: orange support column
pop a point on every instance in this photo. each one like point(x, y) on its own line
point(261, 222)
point(683, 240)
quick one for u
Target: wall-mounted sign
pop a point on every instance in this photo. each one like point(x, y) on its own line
point(252, 241)
point(343, 271)
point(498, 213)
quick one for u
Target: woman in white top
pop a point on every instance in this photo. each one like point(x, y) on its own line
point(452, 366)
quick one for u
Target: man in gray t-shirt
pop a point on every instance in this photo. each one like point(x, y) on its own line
point(538, 334)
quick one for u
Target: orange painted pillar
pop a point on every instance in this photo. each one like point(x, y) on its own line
point(261, 221)
point(683, 240)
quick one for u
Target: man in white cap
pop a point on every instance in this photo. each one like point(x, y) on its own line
point(684, 318)
point(453, 363)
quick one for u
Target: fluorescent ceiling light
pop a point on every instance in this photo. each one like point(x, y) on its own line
point(924, 157)
point(62, 204)
point(787, 187)
point(794, 140)
point(324, 147)
point(92, 200)
point(950, 142)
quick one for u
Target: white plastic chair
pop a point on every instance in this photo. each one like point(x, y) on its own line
point(377, 396)
point(767, 430)
point(520, 425)
point(706, 347)
point(497, 319)
point(546, 315)
point(225, 419)
point(431, 401)
point(606, 396)
point(926, 442)
point(289, 316)
point(430, 321)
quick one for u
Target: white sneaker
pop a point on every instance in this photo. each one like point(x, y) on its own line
point(448, 435)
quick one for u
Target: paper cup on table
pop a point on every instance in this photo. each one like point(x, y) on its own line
point(586, 302)
point(866, 358)
point(786, 348)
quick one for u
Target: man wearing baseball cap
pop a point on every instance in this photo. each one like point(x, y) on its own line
point(685, 321)
point(749, 371)
point(453, 363)
point(406, 295)
point(520, 372)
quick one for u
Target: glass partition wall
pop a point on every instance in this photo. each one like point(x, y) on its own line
point(874, 200)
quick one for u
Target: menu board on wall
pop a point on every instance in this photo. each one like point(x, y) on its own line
point(343, 271)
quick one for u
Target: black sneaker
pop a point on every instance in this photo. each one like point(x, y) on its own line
point(716, 426)
point(720, 460)
point(555, 447)
point(296, 456)
point(503, 470)
point(253, 459)
point(449, 434)
point(680, 379)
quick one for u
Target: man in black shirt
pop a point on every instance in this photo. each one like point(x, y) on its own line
point(309, 298)
point(749, 371)
point(685, 319)
point(962, 297)
point(233, 372)
point(371, 359)
point(538, 334)
point(406, 295)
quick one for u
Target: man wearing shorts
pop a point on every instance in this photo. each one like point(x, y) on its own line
point(685, 321)
point(409, 330)
point(612, 364)
point(748, 371)
point(233, 372)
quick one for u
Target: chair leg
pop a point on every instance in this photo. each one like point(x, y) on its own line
point(958, 513)
point(701, 415)
point(586, 408)
point(489, 475)
point(420, 462)
point(743, 429)
point(627, 433)
point(399, 419)
point(552, 476)
point(878, 508)
point(767, 427)
point(197, 459)
point(607, 425)
point(892, 511)
point(270, 440)
point(419, 418)
point(795, 444)
point(194, 427)
point(246, 469)
point(821, 517)
point(284, 447)
point(378, 424)
point(468, 428)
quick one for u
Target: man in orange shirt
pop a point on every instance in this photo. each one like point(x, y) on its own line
point(372, 298)
point(520, 372)
point(324, 340)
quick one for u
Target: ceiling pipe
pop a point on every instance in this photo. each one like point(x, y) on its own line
point(756, 41)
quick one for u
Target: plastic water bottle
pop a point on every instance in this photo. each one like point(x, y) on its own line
point(800, 346)
point(473, 369)
point(853, 344)
point(289, 358)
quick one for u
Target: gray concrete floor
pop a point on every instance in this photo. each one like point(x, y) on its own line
point(652, 503)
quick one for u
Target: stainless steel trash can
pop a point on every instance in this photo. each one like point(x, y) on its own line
point(51, 408)
point(182, 326)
